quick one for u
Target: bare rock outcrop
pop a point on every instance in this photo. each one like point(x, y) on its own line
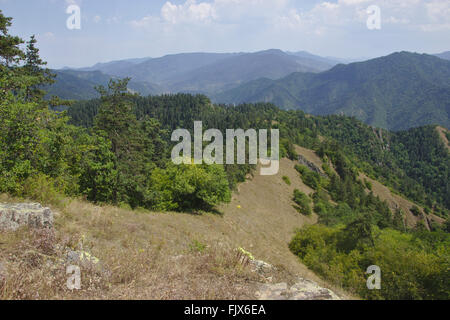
point(16, 215)
point(311, 166)
point(302, 290)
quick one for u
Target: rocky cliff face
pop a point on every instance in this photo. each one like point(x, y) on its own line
point(16, 215)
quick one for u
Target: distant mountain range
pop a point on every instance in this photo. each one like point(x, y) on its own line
point(80, 85)
point(399, 91)
point(206, 73)
point(444, 55)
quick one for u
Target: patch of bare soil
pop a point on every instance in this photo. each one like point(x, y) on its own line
point(443, 136)
point(396, 201)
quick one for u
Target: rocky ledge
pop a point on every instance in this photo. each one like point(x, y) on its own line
point(16, 215)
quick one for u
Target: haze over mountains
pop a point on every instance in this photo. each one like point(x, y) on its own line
point(444, 55)
point(195, 72)
point(399, 91)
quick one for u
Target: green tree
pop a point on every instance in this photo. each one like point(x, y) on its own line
point(188, 187)
point(356, 234)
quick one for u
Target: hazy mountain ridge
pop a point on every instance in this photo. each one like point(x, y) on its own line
point(398, 91)
point(80, 85)
point(208, 72)
point(444, 55)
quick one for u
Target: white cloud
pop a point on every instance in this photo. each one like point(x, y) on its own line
point(250, 20)
point(189, 12)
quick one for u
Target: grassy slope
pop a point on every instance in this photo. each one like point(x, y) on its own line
point(159, 255)
point(162, 255)
point(393, 200)
point(442, 133)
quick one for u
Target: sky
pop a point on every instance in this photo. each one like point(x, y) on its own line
point(122, 29)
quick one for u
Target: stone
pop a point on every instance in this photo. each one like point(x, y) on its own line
point(301, 290)
point(261, 267)
point(309, 290)
point(272, 291)
point(16, 215)
point(311, 166)
point(81, 258)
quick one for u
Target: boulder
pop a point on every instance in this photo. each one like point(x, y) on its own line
point(301, 290)
point(16, 215)
point(261, 267)
point(309, 290)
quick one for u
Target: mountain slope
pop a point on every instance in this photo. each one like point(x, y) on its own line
point(444, 55)
point(235, 70)
point(212, 72)
point(396, 92)
point(80, 85)
point(167, 68)
point(157, 255)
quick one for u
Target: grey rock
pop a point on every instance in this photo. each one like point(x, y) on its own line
point(309, 290)
point(81, 258)
point(276, 291)
point(311, 166)
point(33, 215)
point(261, 267)
point(301, 290)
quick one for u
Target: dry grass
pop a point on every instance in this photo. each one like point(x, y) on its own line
point(442, 133)
point(396, 201)
point(135, 263)
point(148, 255)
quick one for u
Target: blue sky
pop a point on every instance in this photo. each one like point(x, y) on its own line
point(120, 29)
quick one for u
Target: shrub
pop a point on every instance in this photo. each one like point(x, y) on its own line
point(187, 187)
point(42, 189)
point(300, 169)
point(287, 180)
point(415, 211)
point(409, 269)
point(368, 184)
point(303, 202)
point(311, 178)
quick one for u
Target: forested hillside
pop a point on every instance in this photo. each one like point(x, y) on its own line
point(116, 150)
point(397, 92)
point(401, 160)
point(78, 85)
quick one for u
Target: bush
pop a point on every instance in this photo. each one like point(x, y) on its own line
point(303, 202)
point(43, 189)
point(368, 184)
point(415, 211)
point(287, 180)
point(311, 178)
point(410, 269)
point(300, 169)
point(187, 187)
